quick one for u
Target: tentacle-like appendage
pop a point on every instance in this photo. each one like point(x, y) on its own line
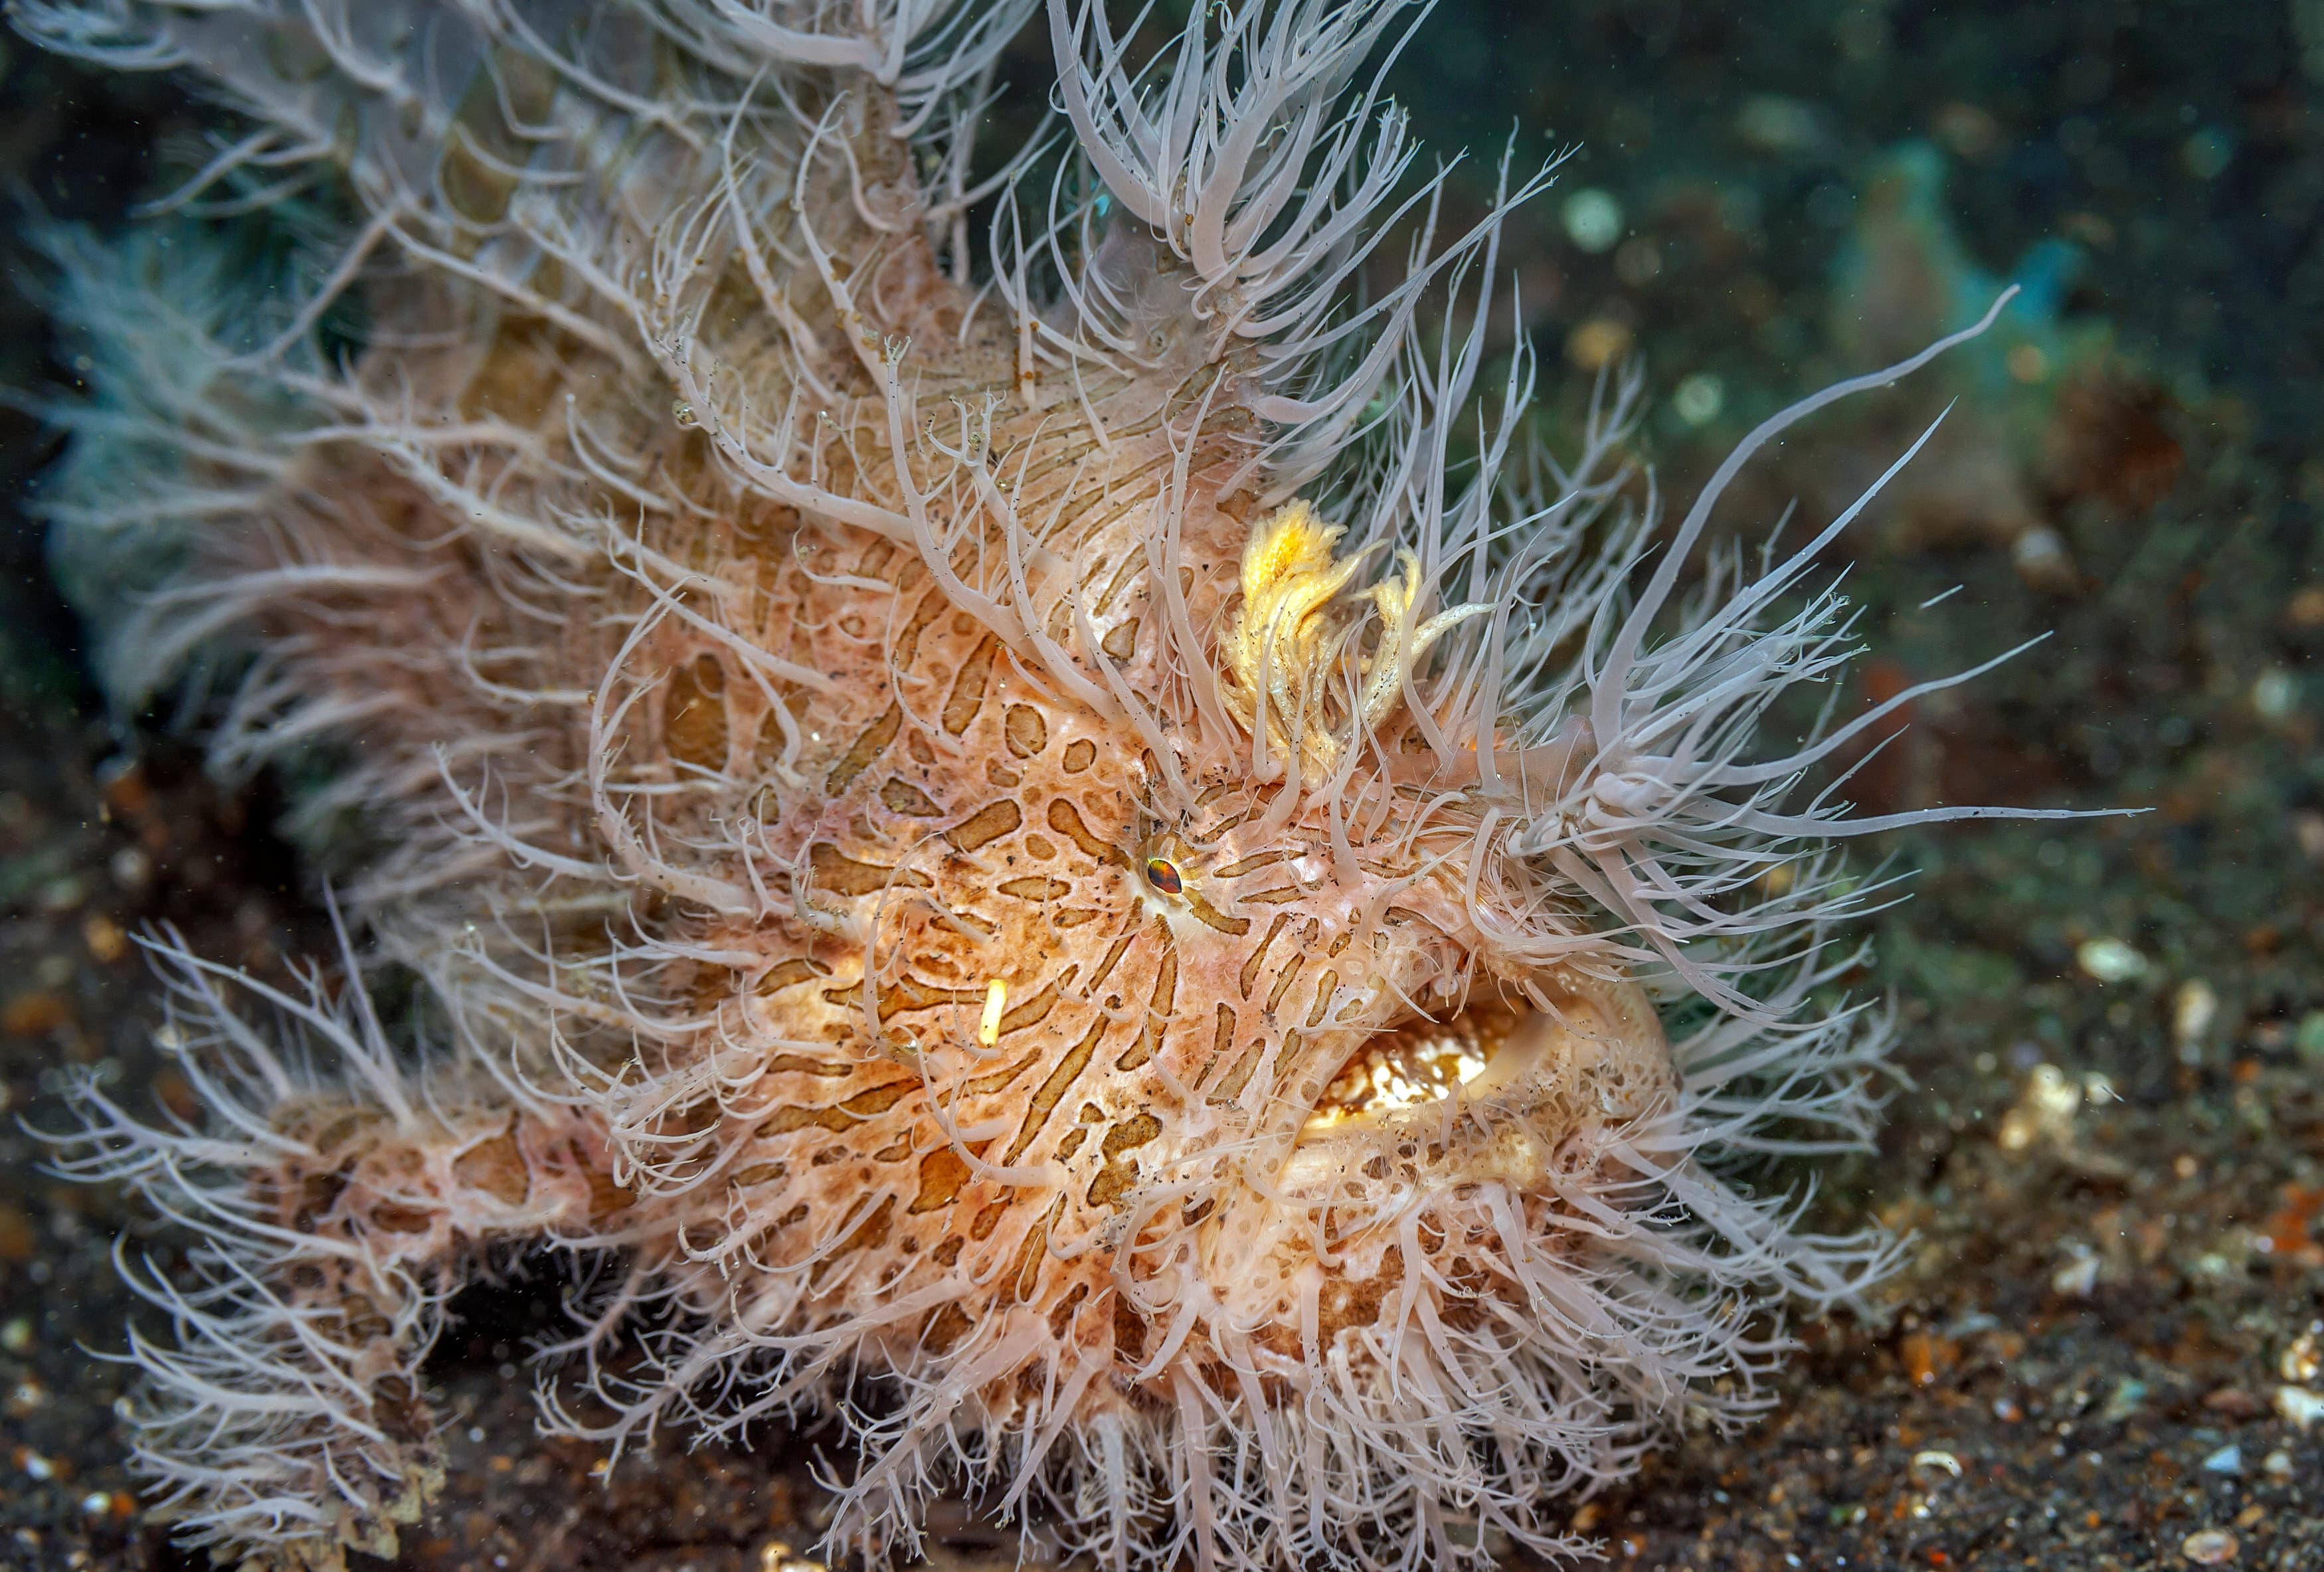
point(332, 1201)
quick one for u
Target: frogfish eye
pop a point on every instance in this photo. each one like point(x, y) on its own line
point(1163, 874)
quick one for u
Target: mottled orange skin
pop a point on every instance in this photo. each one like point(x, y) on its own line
point(977, 825)
point(712, 822)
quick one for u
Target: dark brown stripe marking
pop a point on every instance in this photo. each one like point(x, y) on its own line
point(1157, 1008)
point(1029, 1255)
point(1033, 1011)
point(842, 1116)
point(1131, 1135)
point(1053, 1090)
point(1119, 1173)
point(1283, 980)
point(694, 713)
point(1000, 1079)
point(949, 1325)
point(1061, 1319)
point(1222, 1037)
point(968, 688)
point(942, 1175)
point(789, 973)
point(1025, 730)
point(1105, 967)
point(1210, 917)
point(1036, 888)
point(868, 1234)
point(1259, 956)
point(903, 995)
point(495, 1167)
point(799, 1064)
point(987, 824)
point(1323, 987)
point(1066, 821)
point(1231, 1087)
point(903, 798)
point(841, 875)
point(863, 751)
point(908, 642)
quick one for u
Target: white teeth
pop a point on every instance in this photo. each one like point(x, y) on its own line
point(1411, 1067)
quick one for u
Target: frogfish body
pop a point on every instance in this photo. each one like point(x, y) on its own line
point(1058, 838)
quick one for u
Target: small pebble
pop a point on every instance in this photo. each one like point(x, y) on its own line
point(2128, 1394)
point(2298, 1405)
point(2275, 695)
point(2276, 1464)
point(2109, 960)
point(2039, 555)
point(106, 941)
point(32, 1014)
point(2234, 1402)
point(2193, 1009)
point(1593, 219)
point(2303, 1361)
point(1699, 399)
point(130, 868)
point(1597, 342)
point(17, 1335)
point(2227, 1459)
point(2208, 1547)
point(2044, 1110)
point(775, 1556)
point(2077, 1278)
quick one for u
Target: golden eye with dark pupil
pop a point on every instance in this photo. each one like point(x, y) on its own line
point(1163, 874)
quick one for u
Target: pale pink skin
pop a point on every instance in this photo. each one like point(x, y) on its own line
point(902, 816)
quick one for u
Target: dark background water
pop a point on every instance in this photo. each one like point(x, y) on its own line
point(2108, 1132)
